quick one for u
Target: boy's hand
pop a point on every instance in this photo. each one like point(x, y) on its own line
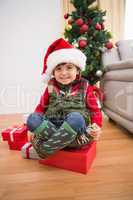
point(82, 139)
point(94, 131)
point(32, 137)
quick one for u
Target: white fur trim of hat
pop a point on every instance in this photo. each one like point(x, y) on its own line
point(70, 55)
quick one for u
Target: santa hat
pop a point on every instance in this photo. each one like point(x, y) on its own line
point(61, 52)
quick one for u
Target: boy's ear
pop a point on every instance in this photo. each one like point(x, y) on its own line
point(78, 71)
point(78, 75)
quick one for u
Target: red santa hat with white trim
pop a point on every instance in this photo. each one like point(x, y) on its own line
point(59, 52)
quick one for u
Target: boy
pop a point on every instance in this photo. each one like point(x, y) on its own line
point(68, 104)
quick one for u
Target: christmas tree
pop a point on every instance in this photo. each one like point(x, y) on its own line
point(85, 30)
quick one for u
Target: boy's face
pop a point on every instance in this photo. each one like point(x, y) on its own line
point(65, 73)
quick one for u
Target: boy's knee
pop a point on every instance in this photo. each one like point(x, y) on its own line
point(34, 120)
point(75, 120)
point(74, 116)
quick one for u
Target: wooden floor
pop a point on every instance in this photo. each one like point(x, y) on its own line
point(110, 178)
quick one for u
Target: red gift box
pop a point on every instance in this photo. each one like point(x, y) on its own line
point(74, 160)
point(16, 145)
point(5, 133)
point(27, 151)
point(15, 133)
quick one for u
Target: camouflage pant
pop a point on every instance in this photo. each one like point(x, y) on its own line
point(52, 140)
point(49, 139)
point(57, 140)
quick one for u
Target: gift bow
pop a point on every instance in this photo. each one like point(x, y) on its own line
point(13, 131)
point(29, 145)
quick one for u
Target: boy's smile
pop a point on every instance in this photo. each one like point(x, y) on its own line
point(65, 73)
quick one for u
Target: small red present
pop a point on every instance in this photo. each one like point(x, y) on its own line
point(16, 145)
point(27, 151)
point(5, 133)
point(74, 160)
point(15, 133)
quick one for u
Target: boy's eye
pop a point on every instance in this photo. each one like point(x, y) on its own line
point(58, 68)
point(70, 67)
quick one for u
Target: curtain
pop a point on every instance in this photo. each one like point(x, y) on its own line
point(67, 7)
point(115, 17)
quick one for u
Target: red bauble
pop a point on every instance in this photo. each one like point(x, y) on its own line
point(90, 21)
point(84, 28)
point(109, 45)
point(82, 43)
point(70, 21)
point(98, 26)
point(66, 16)
point(79, 22)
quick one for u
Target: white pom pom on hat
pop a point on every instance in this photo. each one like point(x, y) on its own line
point(59, 52)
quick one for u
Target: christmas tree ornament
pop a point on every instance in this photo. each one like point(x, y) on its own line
point(98, 26)
point(82, 43)
point(79, 22)
point(110, 34)
point(97, 53)
point(83, 28)
point(68, 27)
point(70, 21)
point(90, 21)
point(109, 45)
point(99, 73)
point(66, 16)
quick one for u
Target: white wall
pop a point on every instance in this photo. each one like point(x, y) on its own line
point(27, 27)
